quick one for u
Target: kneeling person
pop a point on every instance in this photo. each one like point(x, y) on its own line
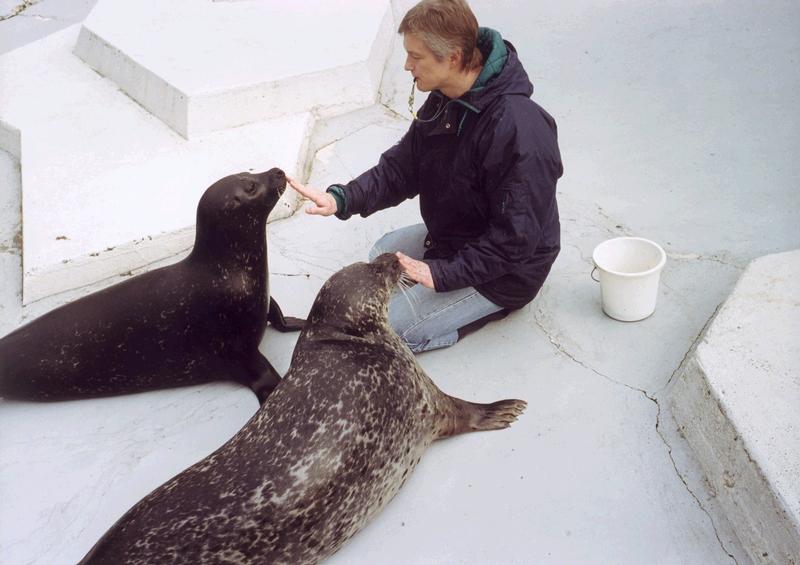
point(484, 160)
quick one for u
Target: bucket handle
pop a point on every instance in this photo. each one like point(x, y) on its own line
point(592, 275)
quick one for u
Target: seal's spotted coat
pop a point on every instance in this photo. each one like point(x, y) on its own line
point(331, 446)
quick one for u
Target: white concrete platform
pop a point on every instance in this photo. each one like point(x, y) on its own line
point(737, 402)
point(10, 230)
point(205, 66)
point(99, 171)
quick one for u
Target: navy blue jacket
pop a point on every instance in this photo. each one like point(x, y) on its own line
point(485, 167)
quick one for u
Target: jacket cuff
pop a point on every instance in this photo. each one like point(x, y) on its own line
point(337, 191)
point(436, 274)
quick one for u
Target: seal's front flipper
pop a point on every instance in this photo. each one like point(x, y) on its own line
point(283, 323)
point(264, 377)
point(466, 416)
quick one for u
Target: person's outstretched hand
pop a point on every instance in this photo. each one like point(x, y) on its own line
point(324, 203)
point(416, 270)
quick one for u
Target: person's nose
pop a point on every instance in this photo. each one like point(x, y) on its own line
point(408, 65)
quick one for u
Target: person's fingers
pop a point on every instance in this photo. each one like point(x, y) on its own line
point(403, 259)
point(408, 264)
point(416, 270)
point(316, 196)
point(324, 210)
point(306, 191)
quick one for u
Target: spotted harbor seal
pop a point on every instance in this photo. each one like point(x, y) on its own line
point(196, 321)
point(327, 451)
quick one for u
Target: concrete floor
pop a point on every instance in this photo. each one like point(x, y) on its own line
point(676, 123)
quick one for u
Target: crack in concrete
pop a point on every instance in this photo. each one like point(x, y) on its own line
point(569, 355)
point(691, 349)
point(306, 275)
point(559, 347)
point(338, 139)
point(16, 11)
point(676, 256)
point(292, 254)
point(685, 484)
point(618, 226)
point(39, 17)
point(580, 252)
point(394, 112)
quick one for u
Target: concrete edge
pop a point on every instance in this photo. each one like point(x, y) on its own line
point(104, 268)
point(11, 257)
point(757, 513)
point(215, 111)
point(10, 140)
point(157, 96)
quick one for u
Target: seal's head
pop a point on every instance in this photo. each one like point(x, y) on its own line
point(242, 194)
point(355, 299)
point(235, 208)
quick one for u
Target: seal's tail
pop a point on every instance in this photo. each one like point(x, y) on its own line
point(463, 417)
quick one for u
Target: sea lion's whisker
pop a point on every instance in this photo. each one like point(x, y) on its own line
point(407, 296)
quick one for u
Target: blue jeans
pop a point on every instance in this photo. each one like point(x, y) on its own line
point(424, 318)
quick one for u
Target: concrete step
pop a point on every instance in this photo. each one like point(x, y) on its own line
point(208, 66)
point(10, 230)
point(338, 149)
point(98, 171)
point(737, 402)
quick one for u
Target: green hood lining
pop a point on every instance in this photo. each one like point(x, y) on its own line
point(497, 56)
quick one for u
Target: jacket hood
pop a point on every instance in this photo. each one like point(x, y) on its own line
point(502, 73)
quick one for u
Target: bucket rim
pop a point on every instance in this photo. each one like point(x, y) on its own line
point(658, 267)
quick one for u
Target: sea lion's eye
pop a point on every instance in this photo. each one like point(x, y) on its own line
point(251, 187)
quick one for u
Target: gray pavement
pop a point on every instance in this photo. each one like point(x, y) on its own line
point(676, 123)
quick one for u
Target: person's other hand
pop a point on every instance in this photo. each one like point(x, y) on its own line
point(324, 203)
point(416, 270)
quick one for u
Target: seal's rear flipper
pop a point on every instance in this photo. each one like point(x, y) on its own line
point(470, 417)
point(283, 323)
point(264, 377)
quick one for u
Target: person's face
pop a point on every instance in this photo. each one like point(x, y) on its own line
point(430, 73)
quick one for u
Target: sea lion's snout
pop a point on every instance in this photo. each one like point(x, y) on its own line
point(277, 178)
point(273, 179)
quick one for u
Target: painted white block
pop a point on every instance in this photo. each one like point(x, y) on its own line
point(10, 140)
point(10, 243)
point(737, 401)
point(205, 66)
point(100, 172)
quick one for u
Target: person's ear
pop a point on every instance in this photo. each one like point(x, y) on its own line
point(455, 59)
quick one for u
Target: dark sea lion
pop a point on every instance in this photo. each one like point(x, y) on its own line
point(196, 321)
point(327, 451)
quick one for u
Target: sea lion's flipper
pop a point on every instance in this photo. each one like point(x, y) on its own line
point(264, 377)
point(280, 322)
point(463, 417)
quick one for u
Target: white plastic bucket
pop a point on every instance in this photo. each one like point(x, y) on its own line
point(629, 269)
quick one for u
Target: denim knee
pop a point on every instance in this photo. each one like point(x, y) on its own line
point(419, 340)
point(414, 343)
